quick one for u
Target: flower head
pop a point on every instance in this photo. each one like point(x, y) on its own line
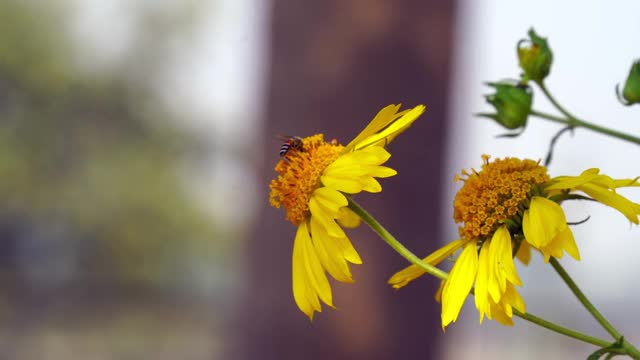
point(311, 186)
point(507, 208)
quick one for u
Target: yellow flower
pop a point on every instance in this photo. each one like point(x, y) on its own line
point(311, 186)
point(507, 208)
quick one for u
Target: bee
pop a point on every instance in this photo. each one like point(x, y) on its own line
point(291, 142)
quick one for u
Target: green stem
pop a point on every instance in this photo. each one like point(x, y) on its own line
point(393, 242)
point(412, 258)
point(575, 122)
point(583, 299)
point(561, 330)
point(555, 103)
point(631, 350)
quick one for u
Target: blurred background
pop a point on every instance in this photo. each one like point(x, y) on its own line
point(138, 138)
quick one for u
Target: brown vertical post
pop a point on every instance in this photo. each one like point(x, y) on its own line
point(333, 65)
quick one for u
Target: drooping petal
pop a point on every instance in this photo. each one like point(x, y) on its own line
point(329, 252)
point(412, 272)
point(500, 315)
point(481, 293)
point(438, 295)
point(603, 181)
point(503, 311)
point(459, 283)
point(542, 221)
point(504, 254)
point(568, 243)
point(347, 218)
point(601, 188)
point(350, 253)
point(309, 280)
point(524, 252)
point(554, 249)
point(610, 198)
point(501, 261)
point(626, 182)
point(570, 182)
point(315, 271)
point(545, 228)
point(325, 217)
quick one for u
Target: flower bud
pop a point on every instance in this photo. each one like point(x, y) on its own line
point(512, 103)
point(631, 91)
point(535, 57)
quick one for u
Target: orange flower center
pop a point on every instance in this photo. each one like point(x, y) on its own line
point(300, 173)
point(494, 194)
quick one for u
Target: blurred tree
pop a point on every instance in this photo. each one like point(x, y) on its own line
point(94, 154)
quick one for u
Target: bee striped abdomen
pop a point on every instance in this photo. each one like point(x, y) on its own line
point(294, 142)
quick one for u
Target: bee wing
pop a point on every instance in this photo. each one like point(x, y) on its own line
point(283, 138)
point(385, 127)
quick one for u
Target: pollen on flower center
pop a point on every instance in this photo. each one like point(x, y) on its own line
point(300, 176)
point(494, 194)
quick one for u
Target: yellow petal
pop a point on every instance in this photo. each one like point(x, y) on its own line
point(626, 182)
point(370, 184)
point(563, 241)
point(389, 133)
point(542, 221)
point(349, 252)
point(568, 243)
point(513, 298)
point(603, 181)
point(570, 182)
point(501, 263)
point(329, 253)
point(459, 284)
point(500, 316)
point(345, 184)
point(303, 292)
point(375, 155)
point(380, 171)
point(379, 122)
point(504, 254)
point(545, 228)
point(330, 199)
point(554, 249)
point(325, 217)
point(315, 272)
point(438, 295)
point(481, 293)
point(347, 218)
point(524, 253)
point(627, 207)
point(412, 272)
point(357, 171)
